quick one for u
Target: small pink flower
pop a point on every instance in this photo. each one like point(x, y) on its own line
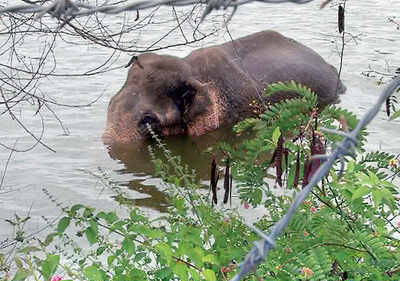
point(306, 233)
point(313, 209)
point(56, 278)
point(227, 220)
point(307, 272)
point(246, 205)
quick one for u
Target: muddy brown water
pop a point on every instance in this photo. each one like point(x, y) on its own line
point(71, 174)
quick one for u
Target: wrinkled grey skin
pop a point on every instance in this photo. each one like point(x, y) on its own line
point(212, 86)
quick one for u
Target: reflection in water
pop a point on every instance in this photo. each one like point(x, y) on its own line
point(192, 150)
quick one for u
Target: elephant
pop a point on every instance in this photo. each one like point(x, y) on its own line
point(213, 86)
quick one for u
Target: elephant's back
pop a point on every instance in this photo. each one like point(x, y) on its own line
point(266, 57)
point(269, 57)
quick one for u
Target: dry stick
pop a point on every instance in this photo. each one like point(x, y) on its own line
point(227, 180)
point(213, 182)
point(65, 9)
point(179, 23)
point(6, 166)
point(38, 140)
point(44, 100)
point(230, 189)
point(341, 25)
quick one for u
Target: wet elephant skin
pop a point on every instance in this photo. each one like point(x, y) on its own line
point(212, 86)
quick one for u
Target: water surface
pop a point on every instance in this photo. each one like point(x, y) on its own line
point(75, 173)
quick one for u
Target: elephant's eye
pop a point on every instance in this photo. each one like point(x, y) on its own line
point(183, 98)
point(187, 98)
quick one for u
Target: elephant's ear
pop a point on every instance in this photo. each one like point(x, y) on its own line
point(189, 95)
point(198, 100)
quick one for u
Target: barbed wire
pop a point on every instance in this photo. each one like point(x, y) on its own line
point(68, 9)
point(260, 251)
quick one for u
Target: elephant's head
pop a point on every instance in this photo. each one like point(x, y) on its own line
point(163, 93)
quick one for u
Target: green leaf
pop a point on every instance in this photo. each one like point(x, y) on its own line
point(276, 134)
point(137, 274)
point(165, 250)
point(388, 198)
point(209, 275)
point(29, 249)
point(88, 212)
point(194, 274)
point(364, 179)
point(119, 225)
point(91, 235)
point(210, 259)
point(140, 228)
point(63, 224)
point(395, 115)
point(139, 256)
point(100, 250)
point(110, 260)
point(92, 273)
point(374, 179)
point(49, 266)
point(181, 270)
point(75, 208)
point(128, 246)
point(50, 238)
point(92, 231)
point(111, 217)
point(377, 195)
point(163, 273)
point(350, 166)
point(196, 254)
point(156, 233)
point(360, 192)
point(93, 223)
point(21, 274)
point(18, 262)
